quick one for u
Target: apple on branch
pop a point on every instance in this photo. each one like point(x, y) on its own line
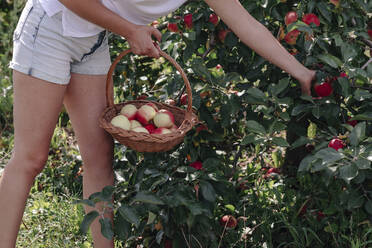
point(290, 17)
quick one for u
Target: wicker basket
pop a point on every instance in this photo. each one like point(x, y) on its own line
point(143, 142)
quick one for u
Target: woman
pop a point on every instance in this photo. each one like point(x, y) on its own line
point(61, 57)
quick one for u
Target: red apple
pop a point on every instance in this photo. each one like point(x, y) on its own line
point(150, 128)
point(168, 243)
point(343, 75)
point(129, 111)
point(161, 130)
point(336, 144)
point(324, 89)
point(187, 19)
point(164, 118)
point(170, 101)
point(228, 221)
point(173, 27)
point(142, 97)
point(121, 121)
point(311, 18)
point(291, 37)
point(183, 99)
point(222, 34)
point(214, 19)
point(352, 123)
point(290, 17)
point(197, 165)
point(145, 113)
point(369, 31)
point(320, 215)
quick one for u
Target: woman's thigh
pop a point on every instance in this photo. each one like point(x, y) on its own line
point(37, 104)
point(85, 101)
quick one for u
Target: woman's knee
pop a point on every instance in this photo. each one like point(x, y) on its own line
point(30, 162)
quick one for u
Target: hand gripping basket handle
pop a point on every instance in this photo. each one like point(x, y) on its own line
point(110, 85)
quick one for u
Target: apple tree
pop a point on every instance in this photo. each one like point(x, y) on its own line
point(254, 125)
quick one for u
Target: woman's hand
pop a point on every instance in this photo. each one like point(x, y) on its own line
point(141, 42)
point(306, 82)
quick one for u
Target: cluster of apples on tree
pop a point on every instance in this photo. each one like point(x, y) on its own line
point(146, 119)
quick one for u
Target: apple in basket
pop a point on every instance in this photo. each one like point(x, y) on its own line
point(161, 130)
point(121, 121)
point(140, 130)
point(129, 111)
point(146, 112)
point(134, 124)
point(164, 118)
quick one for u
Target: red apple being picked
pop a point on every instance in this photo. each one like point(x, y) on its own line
point(324, 89)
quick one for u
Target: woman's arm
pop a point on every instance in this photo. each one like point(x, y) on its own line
point(138, 36)
point(258, 37)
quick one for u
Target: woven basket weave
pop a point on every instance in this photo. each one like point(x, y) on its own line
point(143, 142)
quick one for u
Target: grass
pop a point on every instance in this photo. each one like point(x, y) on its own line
point(52, 221)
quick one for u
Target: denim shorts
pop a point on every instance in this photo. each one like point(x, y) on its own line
point(40, 50)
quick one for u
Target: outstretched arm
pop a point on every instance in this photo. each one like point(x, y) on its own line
point(259, 38)
point(138, 36)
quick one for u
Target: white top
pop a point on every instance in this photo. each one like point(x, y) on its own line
point(140, 12)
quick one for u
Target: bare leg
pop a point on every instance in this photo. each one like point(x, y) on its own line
point(37, 104)
point(85, 101)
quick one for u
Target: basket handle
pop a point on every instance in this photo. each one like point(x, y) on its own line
point(110, 84)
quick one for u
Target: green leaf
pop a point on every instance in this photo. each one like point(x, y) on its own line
point(88, 219)
point(363, 164)
point(278, 88)
point(301, 108)
point(255, 127)
point(280, 141)
point(306, 163)
point(86, 202)
point(330, 60)
point(106, 228)
point(257, 93)
point(311, 130)
point(357, 134)
point(207, 191)
point(151, 218)
point(147, 197)
point(348, 172)
point(130, 215)
point(368, 207)
point(361, 95)
point(250, 138)
point(329, 155)
point(367, 116)
point(324, 11)
point(300, 142)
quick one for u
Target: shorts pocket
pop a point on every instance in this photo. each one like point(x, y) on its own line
point(22, 20)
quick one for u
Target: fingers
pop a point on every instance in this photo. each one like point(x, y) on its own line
point(156, 33)
point(142, 43)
